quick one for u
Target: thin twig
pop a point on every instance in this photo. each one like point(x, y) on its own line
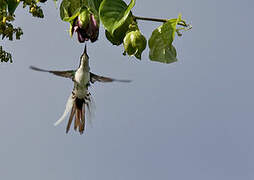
point(181, 23)
point(150, 19)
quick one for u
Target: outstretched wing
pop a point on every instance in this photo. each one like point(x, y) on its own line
point(94, 78)
point(67, 74)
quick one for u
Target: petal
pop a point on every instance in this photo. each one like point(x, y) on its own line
point(81, 39)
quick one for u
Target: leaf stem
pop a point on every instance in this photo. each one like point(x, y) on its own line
point(181, 23)
point(150, 19)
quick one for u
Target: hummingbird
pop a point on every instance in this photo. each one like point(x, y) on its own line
point(80, 99)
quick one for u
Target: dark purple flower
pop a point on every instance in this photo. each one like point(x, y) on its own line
point(86, 30)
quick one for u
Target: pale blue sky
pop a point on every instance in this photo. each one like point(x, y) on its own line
point(188, 120)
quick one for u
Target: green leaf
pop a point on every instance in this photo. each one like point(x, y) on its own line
point(93, 5)
point(5, 56)
point(69, 9)
point(70, 29)
point(3, 5)
point(160, 43)
point(119, 33)
point(116, 39)
point(114, 13)
point(12, 5)
point(165, 55)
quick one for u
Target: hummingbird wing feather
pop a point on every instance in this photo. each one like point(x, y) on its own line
point(67, 74)
point(94, 78)
point(68, 108)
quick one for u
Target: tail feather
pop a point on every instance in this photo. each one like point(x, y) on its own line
point(82, 124)
point(79, 108)
point(68, 108)
point(79, 119)
point(77, 122)
point(70, 119)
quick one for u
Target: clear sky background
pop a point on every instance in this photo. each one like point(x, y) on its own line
point(188, 120)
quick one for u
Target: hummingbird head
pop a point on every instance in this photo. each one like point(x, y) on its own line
point(84, 59)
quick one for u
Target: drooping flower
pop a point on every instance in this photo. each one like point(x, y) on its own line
point(86, 26)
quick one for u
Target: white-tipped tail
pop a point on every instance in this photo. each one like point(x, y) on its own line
point(68, 107)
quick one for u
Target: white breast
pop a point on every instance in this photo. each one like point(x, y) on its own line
point(81, 81)
point(82, 77)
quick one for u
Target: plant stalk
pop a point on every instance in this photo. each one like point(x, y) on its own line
point(181, 23)
point(150, 19)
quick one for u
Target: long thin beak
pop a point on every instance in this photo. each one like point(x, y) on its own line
point(85, 52)
point(84, 56)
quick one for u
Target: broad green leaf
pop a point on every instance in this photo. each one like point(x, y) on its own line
point(116, 39)
point(12, 5)
point(120, 32)
point(165, 55)
point(114, 13)
point(160, 43)
point(93, 5)
point(69, 9)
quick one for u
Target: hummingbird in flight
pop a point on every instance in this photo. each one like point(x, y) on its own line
point(80, 99)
